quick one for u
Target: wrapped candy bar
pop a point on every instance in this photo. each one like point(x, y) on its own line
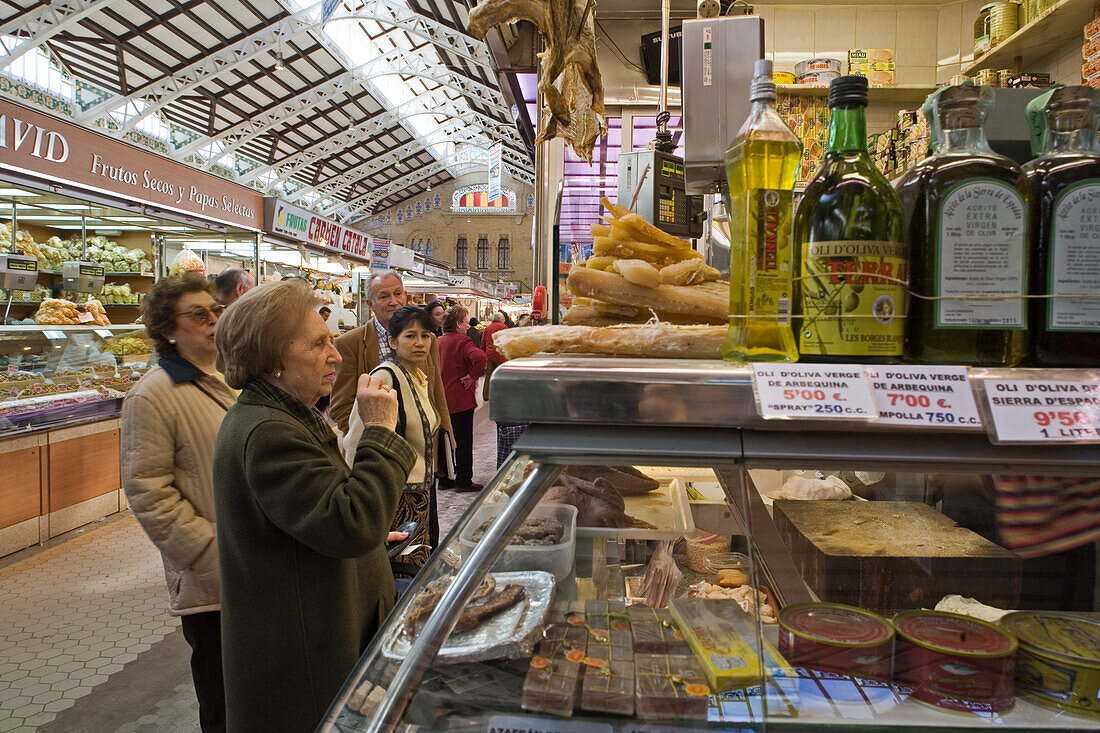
point(669, 687)
point(551, 683)
point(655, 632)
point(608, 685)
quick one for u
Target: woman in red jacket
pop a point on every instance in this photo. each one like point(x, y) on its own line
point(461, 363)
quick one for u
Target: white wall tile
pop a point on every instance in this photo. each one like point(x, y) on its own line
point(907, 74)
point(878, 28)
point(947, 36)
point(917, 35)
point(834, 33)
point(767, 14)
point(794, 33)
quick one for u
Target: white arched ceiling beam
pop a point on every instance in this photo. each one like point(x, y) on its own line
point(396, 62)
point(40, 24)
point(259, 46)
point(434, 102)
point(366, 201)
point(448, 132)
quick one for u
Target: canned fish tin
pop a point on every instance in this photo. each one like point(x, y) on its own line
point(818, 78)
point(836, 637)
point(958, 79)
point(1059, 658)
point(986, 78)
point(813, 65)
point(1003, 22)
point(955, 662)
point(1003, 77)
point(783, 77)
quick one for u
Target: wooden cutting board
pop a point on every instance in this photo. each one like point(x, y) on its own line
point(893, 555)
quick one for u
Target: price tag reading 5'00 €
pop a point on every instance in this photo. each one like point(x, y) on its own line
point(813, 391)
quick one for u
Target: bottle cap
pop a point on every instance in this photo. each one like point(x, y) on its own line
point(763, 86)
point(848, 91)
point(1072, 108)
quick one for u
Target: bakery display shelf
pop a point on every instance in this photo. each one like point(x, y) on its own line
point(1061, 25)
point(595, 420)
point(108, 273)
point(914, 94)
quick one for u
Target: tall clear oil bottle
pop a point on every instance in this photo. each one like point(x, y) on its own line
point(761, 166)
point(850, 254)
point(1064, 191)
point(968, 229)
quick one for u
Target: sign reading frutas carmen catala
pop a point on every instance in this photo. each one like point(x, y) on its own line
point(42, 145)
point(293, 222)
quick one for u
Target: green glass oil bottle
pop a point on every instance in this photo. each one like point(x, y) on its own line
point(761, 166)
point(968, 228)
point(851, 259)
point(1064, 190)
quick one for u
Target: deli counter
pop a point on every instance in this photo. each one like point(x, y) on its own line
point(656, 555)
point(61, 390)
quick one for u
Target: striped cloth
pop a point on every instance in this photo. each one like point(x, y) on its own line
point(1041, 515)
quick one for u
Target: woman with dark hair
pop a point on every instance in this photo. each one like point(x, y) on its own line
point(170, 421)
point(410, 337)
point(435, 311)
point(461, 363)
point(301, 534)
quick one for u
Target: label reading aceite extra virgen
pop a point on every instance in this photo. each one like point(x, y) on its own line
point(1075, 259)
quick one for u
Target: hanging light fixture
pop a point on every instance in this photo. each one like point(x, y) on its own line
point(280, 63)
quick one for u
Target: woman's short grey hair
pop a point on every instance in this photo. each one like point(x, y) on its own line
point(253, 333)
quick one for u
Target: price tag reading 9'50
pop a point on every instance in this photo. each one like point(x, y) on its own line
point(813, 391)
point(1026, 411)
point(923, 395)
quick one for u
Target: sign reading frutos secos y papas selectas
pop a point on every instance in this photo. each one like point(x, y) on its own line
point(293, 222)
point(60, 151)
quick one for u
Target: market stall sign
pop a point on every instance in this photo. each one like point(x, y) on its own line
point(287, 220)
point(380, 254)
point(1032, 411)
point(812, 391)
point(923, 395)
point(42, 145)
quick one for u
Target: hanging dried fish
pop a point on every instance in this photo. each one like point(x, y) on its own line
point(570, 81)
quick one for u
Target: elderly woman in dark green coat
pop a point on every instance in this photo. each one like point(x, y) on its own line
point(301, 535)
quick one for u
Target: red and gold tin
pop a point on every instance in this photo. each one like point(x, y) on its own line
point(836, 637)
point(955, 662)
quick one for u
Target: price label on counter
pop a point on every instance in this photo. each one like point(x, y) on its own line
point(1028, 411)
point(918, 395)
point(812, 391)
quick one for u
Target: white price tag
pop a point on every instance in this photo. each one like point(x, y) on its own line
point(812, 391)
point(534, 724)
point(923, 395)
point(84, 317)
point(103, 333)
point(1026, 411)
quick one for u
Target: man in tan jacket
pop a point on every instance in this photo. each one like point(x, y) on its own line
point(366, 347)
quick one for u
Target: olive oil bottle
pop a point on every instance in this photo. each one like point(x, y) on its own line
point(851, 259)
point(968, 228)
point(761, 166)
point(1064, 189)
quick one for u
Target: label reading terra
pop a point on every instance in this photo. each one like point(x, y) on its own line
point(981, 250)
point(853, 294)
point(1075, 260)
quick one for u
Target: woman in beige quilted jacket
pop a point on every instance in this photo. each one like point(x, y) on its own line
point(170, 420)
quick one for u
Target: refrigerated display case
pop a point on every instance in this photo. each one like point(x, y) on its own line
point(924, 521)
point(58, 376)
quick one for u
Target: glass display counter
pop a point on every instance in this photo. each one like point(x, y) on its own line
point(800, 598)
point(58, 376)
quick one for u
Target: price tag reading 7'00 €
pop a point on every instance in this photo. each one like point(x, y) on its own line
point(1026, 411)
point(923, 395)
point(812, 391)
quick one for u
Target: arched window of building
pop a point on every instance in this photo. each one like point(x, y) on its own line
point(504, 254)
point(429, 252)
point(462, 254)
point(483, 253)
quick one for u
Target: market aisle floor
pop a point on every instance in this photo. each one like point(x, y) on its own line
point(86, 642)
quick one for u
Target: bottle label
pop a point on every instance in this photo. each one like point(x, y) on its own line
point(769, 266)
point(853, 298)
point(981, 249)
point(1074, 266)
